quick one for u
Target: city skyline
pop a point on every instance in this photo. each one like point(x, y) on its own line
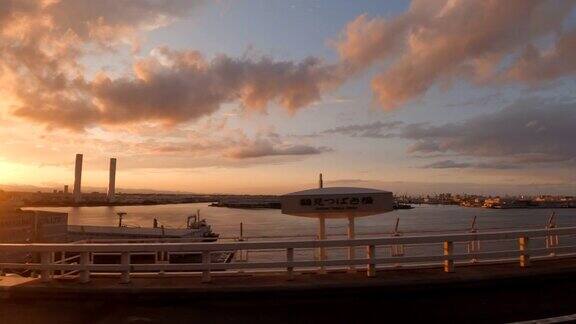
point(195, 96)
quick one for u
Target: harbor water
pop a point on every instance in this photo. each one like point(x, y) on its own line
point(271, 224)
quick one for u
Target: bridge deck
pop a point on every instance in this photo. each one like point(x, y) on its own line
point(226, 284)
point(475, 294)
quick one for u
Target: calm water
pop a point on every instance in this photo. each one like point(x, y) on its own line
point(270, 224)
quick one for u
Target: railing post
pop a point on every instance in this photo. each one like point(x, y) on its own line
point(158, 260)
point(448, 252)
point(62, 261)
point(552, 240)
point(290, 259)
point(45, 274)
point(351, 249)
point(397, 250)
point(125, 260)
point(33, 258)
point(371, 267)
point(206, 263)
point(322, 237)
point(84, 271)
point(524, 256)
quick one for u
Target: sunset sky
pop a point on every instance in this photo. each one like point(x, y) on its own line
point(260, 96)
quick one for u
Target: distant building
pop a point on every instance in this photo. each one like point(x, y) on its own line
point(506, 203)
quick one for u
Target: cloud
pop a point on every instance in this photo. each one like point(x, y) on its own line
point(497, 165)
point(104, 22)
point(177, 86)
point(439, 42)
point(528, 131)
point(534, 66)
point(42, 45)
point(450, 164)
point(227, 147)
point(447, 164)
point(370, 130)
point(263, 149)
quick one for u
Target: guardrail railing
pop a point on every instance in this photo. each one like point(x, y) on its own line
point(60, 259)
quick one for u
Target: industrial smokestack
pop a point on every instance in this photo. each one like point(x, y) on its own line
point(112, 180)
point(320, 182)
point(78, 179)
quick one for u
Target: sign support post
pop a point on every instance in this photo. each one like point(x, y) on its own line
point(337, 202)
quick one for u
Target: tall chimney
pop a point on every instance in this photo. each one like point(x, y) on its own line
point(78, 179)
point(320, 182)
point(112, 180)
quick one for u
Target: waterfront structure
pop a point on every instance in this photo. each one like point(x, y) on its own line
point(112, 180)
point(26, 226)
point(78, 179)
point(202, 232)
point(337, 202)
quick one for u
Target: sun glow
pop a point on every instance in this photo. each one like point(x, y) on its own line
point(11, 172)
point(19, 174)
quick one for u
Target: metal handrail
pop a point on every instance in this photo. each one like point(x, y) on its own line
point(227, 246)
point(85, 266)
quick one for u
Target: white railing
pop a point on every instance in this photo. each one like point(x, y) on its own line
point(446, 256)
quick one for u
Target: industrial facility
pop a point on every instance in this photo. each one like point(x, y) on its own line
point(78, 180)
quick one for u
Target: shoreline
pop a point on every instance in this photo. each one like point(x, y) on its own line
point(98, 204)
point(119, 204)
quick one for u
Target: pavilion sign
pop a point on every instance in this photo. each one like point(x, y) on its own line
point(337, 202)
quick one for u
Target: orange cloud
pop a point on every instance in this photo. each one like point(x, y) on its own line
point(534, 66)
point(179, 86)
point(262, 147)
point(439, 41)
point(44, 42)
